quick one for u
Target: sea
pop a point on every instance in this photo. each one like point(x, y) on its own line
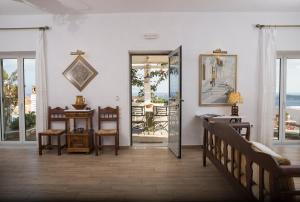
point(164, 95)
point(291, 100)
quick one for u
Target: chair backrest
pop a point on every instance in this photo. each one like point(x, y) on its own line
point(138, 110)
point(160, 111)
point(56, 114)
point(108, 114)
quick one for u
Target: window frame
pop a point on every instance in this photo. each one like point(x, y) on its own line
point(20, 56)
point(284, 56)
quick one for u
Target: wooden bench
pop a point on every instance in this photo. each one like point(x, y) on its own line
point(251, 167)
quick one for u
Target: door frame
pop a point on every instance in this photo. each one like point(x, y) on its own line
point(139, 53)
point(20, 56)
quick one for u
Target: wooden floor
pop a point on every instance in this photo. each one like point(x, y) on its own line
point(137, 174)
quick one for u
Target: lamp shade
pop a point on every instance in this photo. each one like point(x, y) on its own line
point(234, 98)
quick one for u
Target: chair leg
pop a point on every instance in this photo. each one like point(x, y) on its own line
point(100, 143)
point(66, 143)
point(49, 145)
point(116, 145)
point(40, 144)
point(58, 145)
point(96, 145)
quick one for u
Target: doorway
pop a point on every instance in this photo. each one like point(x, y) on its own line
point(149, 93)
point(18, 93)
point(154, 111)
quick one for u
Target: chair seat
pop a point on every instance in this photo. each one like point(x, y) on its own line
point(107, 132)
point(53, 132)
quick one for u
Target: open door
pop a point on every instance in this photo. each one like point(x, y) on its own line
point(174, 140)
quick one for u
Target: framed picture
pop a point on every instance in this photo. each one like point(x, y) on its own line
point(218, 73)
point(80, 73)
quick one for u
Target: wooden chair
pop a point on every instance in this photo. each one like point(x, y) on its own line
point(160, 118)
point(54, 115)
point(107, 114)
point(138, 119)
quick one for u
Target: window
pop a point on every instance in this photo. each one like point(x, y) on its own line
point(287, 119)
point(18, 103)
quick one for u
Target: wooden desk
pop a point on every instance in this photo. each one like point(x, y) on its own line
point(227, 119)
point(80, 140)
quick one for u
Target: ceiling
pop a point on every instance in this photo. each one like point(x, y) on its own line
point(20, 7)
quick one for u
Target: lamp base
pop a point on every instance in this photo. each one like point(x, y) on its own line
point(234, 110)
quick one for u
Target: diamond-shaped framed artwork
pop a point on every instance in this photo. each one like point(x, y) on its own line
point(80, 73)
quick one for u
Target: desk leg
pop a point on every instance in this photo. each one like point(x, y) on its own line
point(204, 147)
point(40, 144)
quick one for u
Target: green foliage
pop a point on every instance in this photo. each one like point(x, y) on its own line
point(162, 75)
point(14, 125)
point(158, 100)
point(140, 100)
point(135, 80)
point(10, 90)
point(5, 75)
point(29, 121)
point(139, 81)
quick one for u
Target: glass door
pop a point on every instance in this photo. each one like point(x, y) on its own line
point(10, 100)
point(287, 114)
point(174, 139)
point(18, 97)
point(29, 99)
point(292, 100)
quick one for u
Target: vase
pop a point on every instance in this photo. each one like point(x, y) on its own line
point(234, 110)
point(79, 100)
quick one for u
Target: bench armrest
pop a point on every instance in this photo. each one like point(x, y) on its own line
point(240, 126)
point(290, 171)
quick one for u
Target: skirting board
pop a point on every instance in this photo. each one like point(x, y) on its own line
point(192, 146)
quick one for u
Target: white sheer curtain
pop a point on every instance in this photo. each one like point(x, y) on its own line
point(267, 78)
point(41, 83)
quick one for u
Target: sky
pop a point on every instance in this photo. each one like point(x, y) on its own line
point(293, 75)
point(10, 65)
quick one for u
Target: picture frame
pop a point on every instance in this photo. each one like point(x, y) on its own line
point(80, 73)
point(217, 78)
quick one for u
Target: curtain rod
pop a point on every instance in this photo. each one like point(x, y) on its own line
point(262, 26)
point(25, 28)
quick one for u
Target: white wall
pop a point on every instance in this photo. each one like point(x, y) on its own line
point(107, 38)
